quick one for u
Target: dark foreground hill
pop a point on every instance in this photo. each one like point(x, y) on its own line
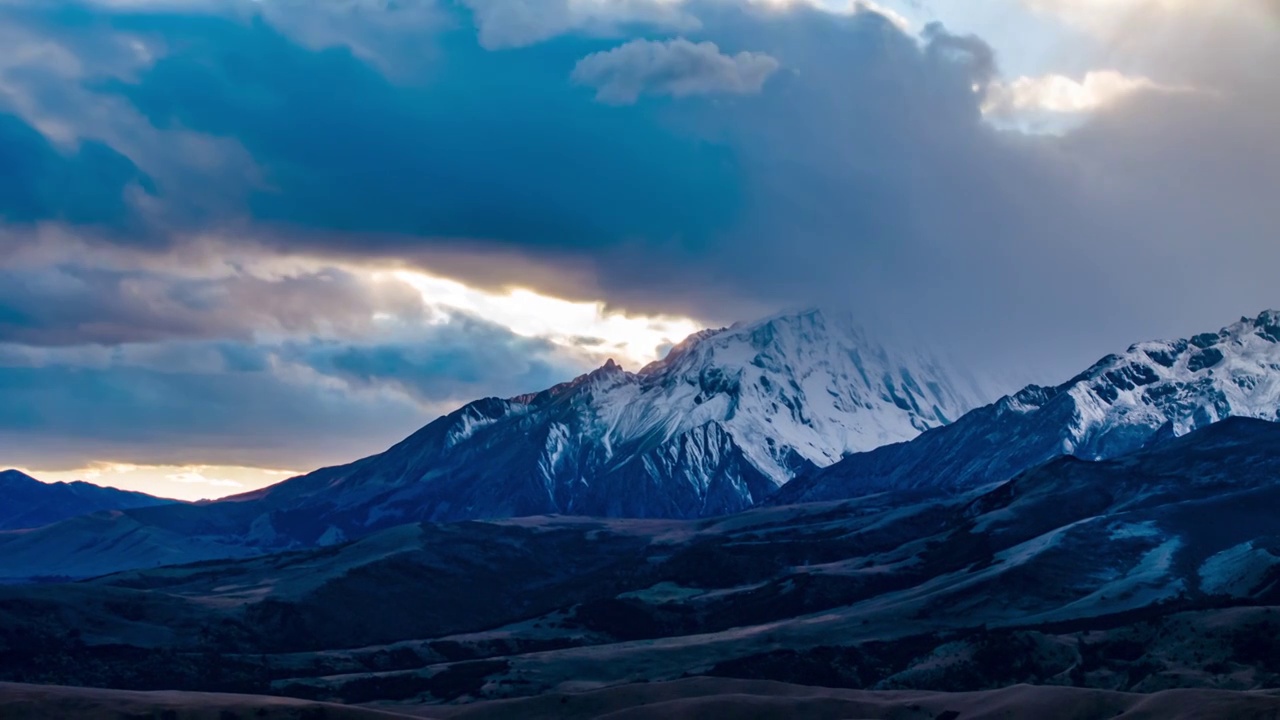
point(45, 702)
point(691, 698)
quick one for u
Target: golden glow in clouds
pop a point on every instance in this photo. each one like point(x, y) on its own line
point(586, 327)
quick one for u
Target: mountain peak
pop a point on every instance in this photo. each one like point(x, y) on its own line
point(682, 349)
point(609, 370)
point(15, 476)
point(1265, 326)
point(805, 317)
point(804, 386)
point(1167, 387)
point(810, 325)
point(717, 425)
point(1154, 392)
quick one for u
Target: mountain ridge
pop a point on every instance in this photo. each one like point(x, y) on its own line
point(727, 417)
point(31, 503)
point(1117, 405)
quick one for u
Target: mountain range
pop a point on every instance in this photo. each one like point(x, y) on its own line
point(1156, 569)
point(29, 503)
point(777, 502)
point(717, 426)
point(1152, 390)
point(794, 408)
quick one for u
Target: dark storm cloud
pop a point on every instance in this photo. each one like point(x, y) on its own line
point(40, 182)
point(873, 182)
point(487, 146)
point(862, 174)
point(698, 206)
point(65, 415)
point(869, 170)
point(461, 360)
point(70, 304)
point(679, 205)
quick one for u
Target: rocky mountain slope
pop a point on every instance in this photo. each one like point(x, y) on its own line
point(1153, 390)
point(29, 503)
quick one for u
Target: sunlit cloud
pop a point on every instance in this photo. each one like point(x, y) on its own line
point(1059, 93)
point(1103, 17)
point(1026, 100)
point(196, 478)
point(588, 327)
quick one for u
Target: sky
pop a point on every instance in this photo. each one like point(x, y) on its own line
point(242, 239)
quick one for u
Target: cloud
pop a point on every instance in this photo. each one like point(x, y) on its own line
point(40, 182)
point(300, 402)
point(1061, 94)
point(154, 416)
point(866, 175)
point(193, 477)
point(517, 23)
point(968, 53)
point(527, 162)
point(679, 68)
point(629, 339)
point(446, 364)
point(57, 291)
point(1105, 17)
point(73, 304)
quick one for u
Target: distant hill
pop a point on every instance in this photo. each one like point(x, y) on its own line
point(29, 503)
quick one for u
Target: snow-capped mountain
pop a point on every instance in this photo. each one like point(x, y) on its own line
point(29, 503)
point(1183, 385)
point(1153, 390)
point(719, 424)
point(789, 390)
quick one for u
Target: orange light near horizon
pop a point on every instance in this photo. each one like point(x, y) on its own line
point(178, 482)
